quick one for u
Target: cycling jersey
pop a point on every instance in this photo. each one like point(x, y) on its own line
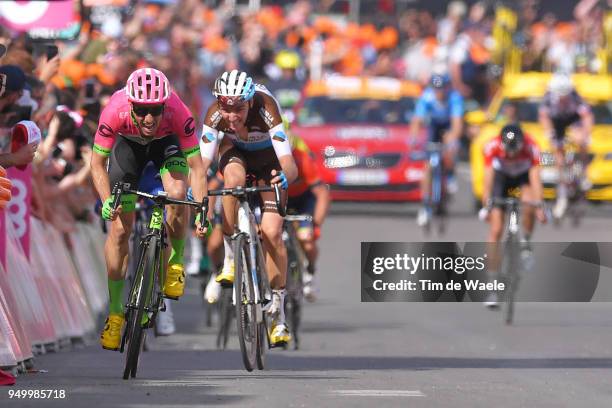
point(563, 113)
point(439, 111)
point(116, 120)
point(520, 163)
point(264, 126)
point(308, 174)
point(563, 108)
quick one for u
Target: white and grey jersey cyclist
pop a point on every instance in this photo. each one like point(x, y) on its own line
point(264, 126)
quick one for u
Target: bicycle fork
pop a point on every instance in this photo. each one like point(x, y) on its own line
point(246, 225)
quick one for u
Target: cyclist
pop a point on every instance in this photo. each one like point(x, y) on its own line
point(511, 161)
point(254, 142)
point(443, 107)
point(308, 195)
point(561, 108)
point(145, 121)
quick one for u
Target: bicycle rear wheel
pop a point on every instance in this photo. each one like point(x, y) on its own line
point(140, 293)
point(245, 303)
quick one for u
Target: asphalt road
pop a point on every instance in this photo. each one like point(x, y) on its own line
point(366, 354)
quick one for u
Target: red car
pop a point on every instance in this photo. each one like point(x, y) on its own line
point(358, 130)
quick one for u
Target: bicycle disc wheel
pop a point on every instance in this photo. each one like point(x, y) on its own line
point(245, 303)
point(140, 293)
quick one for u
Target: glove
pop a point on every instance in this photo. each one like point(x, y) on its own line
point(283, 180)
point(107, 208)
point(208, 225)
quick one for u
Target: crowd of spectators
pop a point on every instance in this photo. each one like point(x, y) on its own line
point(192, 43)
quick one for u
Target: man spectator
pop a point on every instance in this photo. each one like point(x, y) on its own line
point(12, 82)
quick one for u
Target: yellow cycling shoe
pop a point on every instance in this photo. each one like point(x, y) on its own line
point(175, 281)
point(111, 335)
point(226, 277)
point(279, 336)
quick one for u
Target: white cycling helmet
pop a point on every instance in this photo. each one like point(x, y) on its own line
point(560, 85)
point(234, 87)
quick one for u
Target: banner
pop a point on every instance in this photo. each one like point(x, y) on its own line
point(19, 208)
point(57, 19)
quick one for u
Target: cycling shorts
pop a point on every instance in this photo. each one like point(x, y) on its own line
point(259, 164)
point(128, 159)
point(560, 125)
point(437, 128)
point(303, 204)
point(503, 183)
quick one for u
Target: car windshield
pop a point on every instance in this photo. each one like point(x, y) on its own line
point(527, 110)
point(323, 110)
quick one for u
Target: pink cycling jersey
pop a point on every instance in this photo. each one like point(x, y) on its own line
point(116, 120)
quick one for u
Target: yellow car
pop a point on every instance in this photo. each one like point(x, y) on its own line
point(525, 91)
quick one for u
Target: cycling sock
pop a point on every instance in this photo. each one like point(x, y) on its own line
point(178, 249)
point(229, 250)
point(281, 313)
point(115, 292)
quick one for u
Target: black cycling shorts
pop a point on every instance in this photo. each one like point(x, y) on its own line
point(128, 159)
point(503, 183)
point(560, 125)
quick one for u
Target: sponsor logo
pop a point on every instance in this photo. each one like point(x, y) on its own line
point(208, 137)
point(267, 117)
point(105, 131)
point(215, 119)
point(280, 137)
point(365, 133)
point(171, 150)
point(189, 127)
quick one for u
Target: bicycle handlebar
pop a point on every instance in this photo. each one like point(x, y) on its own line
point(245, 191)
point(161, 199)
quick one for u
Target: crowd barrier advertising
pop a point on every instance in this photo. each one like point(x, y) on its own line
point(19, 208)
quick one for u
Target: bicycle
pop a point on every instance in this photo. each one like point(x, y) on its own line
point(573, 176)
point(436, 202)
point(296, 267)
point(251, 287)
point(145, 298)
point(514, 254)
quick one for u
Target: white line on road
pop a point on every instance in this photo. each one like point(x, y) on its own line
point(379, 393)
point(174, 383)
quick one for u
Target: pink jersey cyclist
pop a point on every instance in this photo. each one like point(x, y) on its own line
point(116, 120)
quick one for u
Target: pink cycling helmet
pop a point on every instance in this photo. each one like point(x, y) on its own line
point(147, 86)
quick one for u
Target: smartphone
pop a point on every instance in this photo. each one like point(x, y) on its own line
point(51, 51)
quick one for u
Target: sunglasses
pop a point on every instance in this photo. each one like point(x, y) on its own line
point(143, 110)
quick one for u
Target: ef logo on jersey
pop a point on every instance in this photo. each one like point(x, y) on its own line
point(189, 127)
point(105, 131)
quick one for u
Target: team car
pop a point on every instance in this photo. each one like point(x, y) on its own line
point(358, 130)
point(525, 92)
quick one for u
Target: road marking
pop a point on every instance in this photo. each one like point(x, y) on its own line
point(379, 393)
point(175, 383)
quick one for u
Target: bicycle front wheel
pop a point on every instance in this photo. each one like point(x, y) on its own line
point(511, 272)
point(140, 293)
point(245, 303)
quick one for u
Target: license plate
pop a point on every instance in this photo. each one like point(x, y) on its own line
point(363, 177)
point(549, 175)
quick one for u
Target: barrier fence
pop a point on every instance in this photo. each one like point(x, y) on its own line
point(52, 285)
